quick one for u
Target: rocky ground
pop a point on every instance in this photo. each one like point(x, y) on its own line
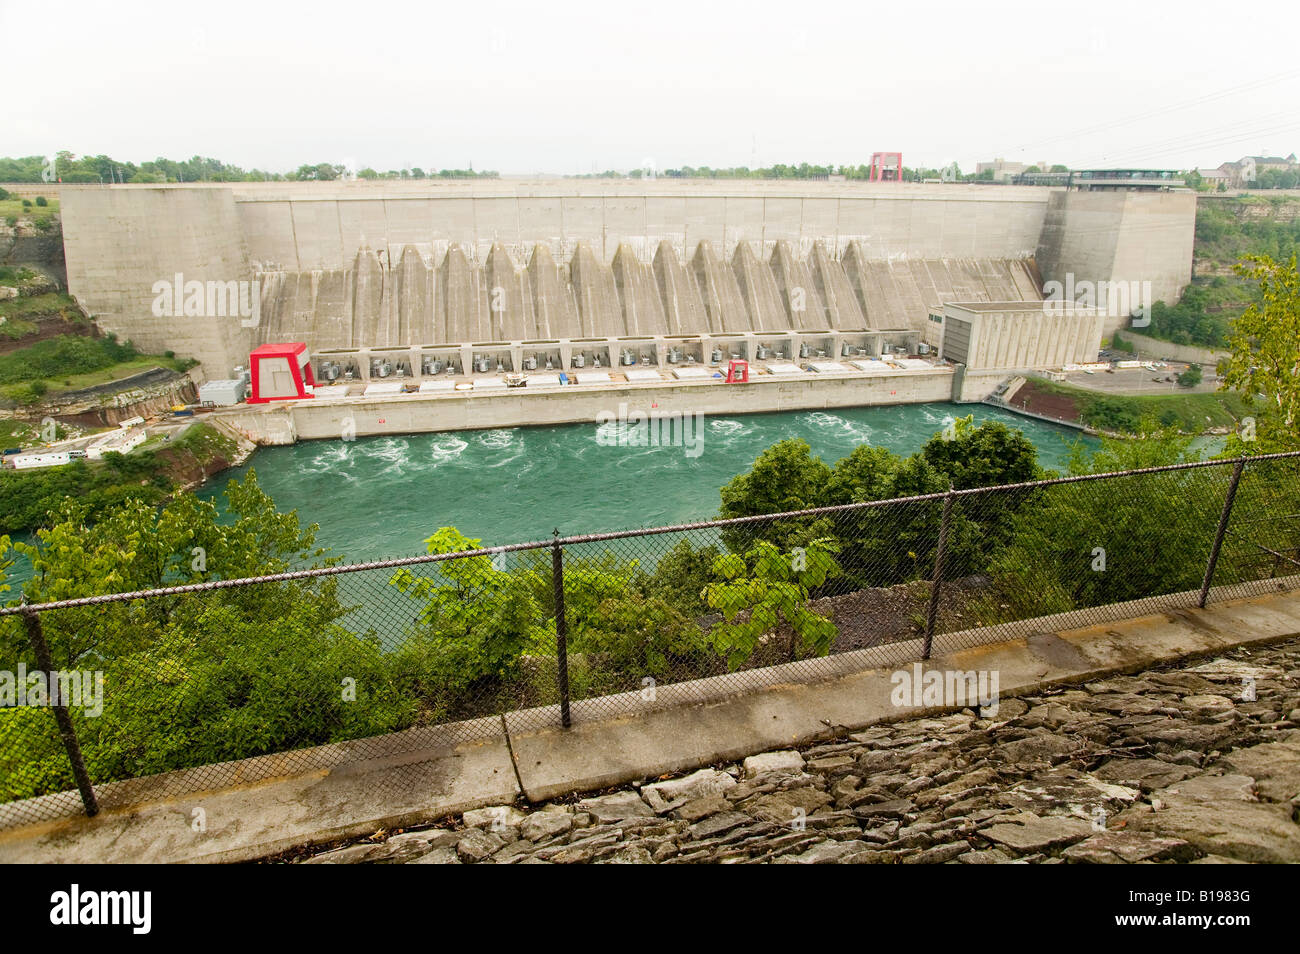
point(1199, 763)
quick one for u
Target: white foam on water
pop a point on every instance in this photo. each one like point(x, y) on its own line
point(838, 426)
point(446, 449)
point(727, 428)
point(497, 439)
point(331, 457)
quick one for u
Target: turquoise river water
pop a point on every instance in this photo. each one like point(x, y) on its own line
point(381, 497)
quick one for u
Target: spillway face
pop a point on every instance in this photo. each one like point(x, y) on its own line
point(643, 310)
point(555, 312)
point(416, 289)
point(455, 300)
point(758, 290)
point(684, 309)
point(723, 302)
point(843, 308)
point(510, 298)
point(794, 282)
point(599, 311)
point(368, 296)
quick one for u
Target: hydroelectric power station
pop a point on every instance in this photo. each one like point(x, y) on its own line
point(433, 306)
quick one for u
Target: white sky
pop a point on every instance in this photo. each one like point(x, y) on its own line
point(570, 87)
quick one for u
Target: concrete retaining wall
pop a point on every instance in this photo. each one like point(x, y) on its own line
point(407, 414)
point(1155, 348)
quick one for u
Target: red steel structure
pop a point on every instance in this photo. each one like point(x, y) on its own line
point(886, 167)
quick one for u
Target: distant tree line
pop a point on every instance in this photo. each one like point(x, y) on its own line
point(68, 167)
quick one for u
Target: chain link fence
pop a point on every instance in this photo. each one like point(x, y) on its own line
point(167, 692)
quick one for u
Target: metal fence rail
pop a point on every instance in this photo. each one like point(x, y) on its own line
point(554, 631)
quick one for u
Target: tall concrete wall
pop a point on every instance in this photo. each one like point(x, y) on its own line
point(1120, 237)
point(119, 242)
point(391, 264)
point(315, 229)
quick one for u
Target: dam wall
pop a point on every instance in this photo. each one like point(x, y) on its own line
point(1120, 237)
point(358, 265)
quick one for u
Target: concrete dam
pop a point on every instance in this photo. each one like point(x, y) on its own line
point(443, 296)
point(348, 266)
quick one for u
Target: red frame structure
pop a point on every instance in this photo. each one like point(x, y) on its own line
point(737, 372)
point(295, 353)
point(879, 167)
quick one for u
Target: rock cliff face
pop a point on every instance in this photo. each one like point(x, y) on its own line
point(24, 244)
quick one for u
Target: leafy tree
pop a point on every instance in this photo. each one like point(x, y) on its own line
point(476, 620)
point(1096, 542)
point(1264, 364)
point(982, 456)
point(1191, 377)
point(190, 679)
point(681, 575)
point(770, 589)
point(785, 477)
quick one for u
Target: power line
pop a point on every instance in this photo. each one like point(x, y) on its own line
point(1163, 110)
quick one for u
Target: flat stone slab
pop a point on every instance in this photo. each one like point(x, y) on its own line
point(616, 807)
point(1147, 774)
point(1219, 815)
point(788, 762)
point(1129, 848)
point(1030, 833)
point(665, 796)
point(1275, 767)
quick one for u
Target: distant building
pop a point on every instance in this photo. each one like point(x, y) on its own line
point(1004, 171)
point(1215, 177)
point(1126, 180)
point(1010, 335)
point(1246, 170)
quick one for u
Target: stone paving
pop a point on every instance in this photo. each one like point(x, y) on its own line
point(1198, 763)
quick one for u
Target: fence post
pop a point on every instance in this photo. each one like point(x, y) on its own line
point(1223, 529)
point(36, 634)
point(937, 581)
point(561, 627)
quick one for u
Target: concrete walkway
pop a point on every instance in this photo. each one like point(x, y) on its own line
point(432, 773)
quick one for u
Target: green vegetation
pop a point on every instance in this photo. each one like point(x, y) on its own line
point(71, 362)
point(1204, 315)
point(39, 306)
point(1264, 365)
point(1191, 377)
point(242, 671)
point(29, 497)
point(1119, 344)
point(11, 206)
point(1228, 231)
point(68, 167)
point(63, 356)
point(771, 589)
point(191, 680)
point(1193, 413)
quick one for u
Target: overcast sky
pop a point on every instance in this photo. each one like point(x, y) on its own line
point(567, 87)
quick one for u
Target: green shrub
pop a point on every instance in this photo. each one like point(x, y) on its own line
point(62, 357)
point(41, 201)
